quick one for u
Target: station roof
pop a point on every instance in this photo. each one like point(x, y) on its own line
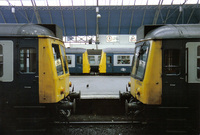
point(79, 17)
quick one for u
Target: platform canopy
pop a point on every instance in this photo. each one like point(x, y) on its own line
point(89, 17)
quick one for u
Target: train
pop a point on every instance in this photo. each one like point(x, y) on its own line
point(166, 69)
point(33, 71)
point(116, 61)
point(78, 62)
point(94, 57)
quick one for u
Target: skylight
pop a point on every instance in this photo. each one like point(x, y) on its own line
point(93, 2)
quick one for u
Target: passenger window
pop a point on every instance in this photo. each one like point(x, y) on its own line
point(198, 62)
point(27, 60)
point(1, 61)
point(198, 51)
point(172, 62)
point(91, 59)
point(57, 59)
point(108, 60)
point(64, 58)
point(123, 59)
point(79, 60)
point(69, 60)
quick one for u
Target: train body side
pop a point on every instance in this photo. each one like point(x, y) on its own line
point(51, 81)
point(166, 69)
point(34, 74)
point(116, 61)
point(33, 67)
point(148, 88)
point(78, 62)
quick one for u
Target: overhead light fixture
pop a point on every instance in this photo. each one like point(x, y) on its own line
point(180, 8)
point(97, 9)
point(98, 15)
point(13, 10)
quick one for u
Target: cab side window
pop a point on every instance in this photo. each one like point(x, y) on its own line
point(64, 58)
point(172, 62)
point(57, 59)
point(1, 61)
point(198, 62)
point(141, 61)
point(108, 60)
point(79, 60)
point(28, 60)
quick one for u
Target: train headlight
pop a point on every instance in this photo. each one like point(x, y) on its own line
point(129, 84)
point(70, 84)
point(62, 90)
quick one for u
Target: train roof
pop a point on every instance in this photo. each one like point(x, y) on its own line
point(94, 52)
point(118, 50)
point(174, 31)
point(75, 50)
point(24, 30)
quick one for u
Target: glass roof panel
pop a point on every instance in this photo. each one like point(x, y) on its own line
point(94, 2)
point(66, 2)
point(40, 2)
point(141, 2)
point(14, 3)
point(128, 2)
point(116, 2)
point(153, 2)
point(4, 3)
point(192, 2)
point(79, 3)
point(178, 2)
point(104, 2)
point(53, 3)
point(89, 2)
point(167, 2)
point(26, 2)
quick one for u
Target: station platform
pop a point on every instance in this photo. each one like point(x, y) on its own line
point(99, 87)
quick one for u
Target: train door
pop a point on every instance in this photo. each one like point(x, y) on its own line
point(79, 63)
point(6, 61)
point(109, 63)
point(193, 78)
point(27, 70)
point(193, 62)
point(71, 63)
point(173, 74)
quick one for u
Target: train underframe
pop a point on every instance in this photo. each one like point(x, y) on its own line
point(16, 118)
point(171, 118)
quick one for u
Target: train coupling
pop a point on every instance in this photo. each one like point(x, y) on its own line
point(132, 106)
point(124, 95)
point(68, 105)
point(75, 95)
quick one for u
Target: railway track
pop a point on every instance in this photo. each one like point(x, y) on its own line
point(98, 122)
point(108, 125)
